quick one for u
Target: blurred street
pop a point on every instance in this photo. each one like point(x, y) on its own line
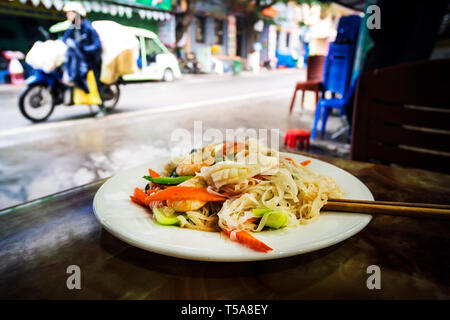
point(74, 148)
point(190, 89)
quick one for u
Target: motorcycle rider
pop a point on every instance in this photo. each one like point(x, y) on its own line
point(82, 36)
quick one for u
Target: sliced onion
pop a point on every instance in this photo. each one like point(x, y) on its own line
point(264, 172)
point(210, 190)
point(156, 204)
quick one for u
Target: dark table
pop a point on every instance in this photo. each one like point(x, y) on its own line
point(40, 239)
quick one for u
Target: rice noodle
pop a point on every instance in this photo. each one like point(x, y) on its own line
point(296, 191)
point(210, 190)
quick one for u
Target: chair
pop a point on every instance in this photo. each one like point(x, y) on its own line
point(314, 77)
point(338, 70)
point(348, 29)
point(338, 67)
point(325, 106)
point(402, 116)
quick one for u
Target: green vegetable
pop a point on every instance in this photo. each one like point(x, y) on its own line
point(261, 212)
point(168, 180)
point(161, 218)
point(275, 220)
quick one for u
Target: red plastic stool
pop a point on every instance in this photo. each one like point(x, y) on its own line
point(293, 136)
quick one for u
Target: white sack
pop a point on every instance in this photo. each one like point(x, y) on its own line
point(47, 55)
point(115, 39)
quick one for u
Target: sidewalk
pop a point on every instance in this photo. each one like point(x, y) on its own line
point(244, 73)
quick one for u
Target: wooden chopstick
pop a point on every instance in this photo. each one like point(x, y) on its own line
point(408, 209)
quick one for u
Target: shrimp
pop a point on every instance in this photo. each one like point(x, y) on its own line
point(189, 205)
point(196, 161)
point(232, 148)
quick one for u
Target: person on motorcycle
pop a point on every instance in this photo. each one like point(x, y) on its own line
point(82, 36)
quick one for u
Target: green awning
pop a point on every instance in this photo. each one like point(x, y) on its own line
point(113, 8)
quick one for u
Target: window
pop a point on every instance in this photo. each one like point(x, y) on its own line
point(218, 31)
point(152, 49)
point(200, 29)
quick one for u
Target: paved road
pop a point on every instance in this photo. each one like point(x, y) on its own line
point(189, 90)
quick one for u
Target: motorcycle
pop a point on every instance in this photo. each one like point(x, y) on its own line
point(191, 64)
point(45, 91)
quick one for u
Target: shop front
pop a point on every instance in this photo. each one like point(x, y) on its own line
point(207, 35)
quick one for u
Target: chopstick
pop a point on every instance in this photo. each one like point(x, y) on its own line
point(407, 209)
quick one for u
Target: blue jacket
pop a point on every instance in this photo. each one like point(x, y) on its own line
point(87, 41)
point(85, 56)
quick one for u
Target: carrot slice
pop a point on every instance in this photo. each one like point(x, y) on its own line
point(246, 239)
point(135, 200)
point(304, 163)
point(184, 193)
point(150, 191)
point(293, 162)
point(139, 197)
point(152, 173)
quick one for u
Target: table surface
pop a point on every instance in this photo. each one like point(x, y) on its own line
point(40, 239)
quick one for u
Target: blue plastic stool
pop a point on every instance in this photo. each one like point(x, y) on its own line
point(338, 67)
point(325, 106)
point(348, 29)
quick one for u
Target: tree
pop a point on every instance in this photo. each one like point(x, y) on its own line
point(184, 19)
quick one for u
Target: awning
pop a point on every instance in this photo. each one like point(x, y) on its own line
point(105, 8)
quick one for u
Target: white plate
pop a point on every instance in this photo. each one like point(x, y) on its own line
point(134, 225)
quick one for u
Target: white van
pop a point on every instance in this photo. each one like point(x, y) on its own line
point(155, 60)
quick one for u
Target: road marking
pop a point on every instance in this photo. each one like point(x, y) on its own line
point(149, 111)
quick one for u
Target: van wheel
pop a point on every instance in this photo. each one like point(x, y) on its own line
point(168, 75)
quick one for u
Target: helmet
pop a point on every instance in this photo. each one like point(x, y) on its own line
point(76, 7)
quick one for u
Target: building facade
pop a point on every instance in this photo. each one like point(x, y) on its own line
point(300, 30)
point(215, 32)
point(293, 31)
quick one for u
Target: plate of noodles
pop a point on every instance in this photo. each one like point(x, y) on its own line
point(231, 201)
